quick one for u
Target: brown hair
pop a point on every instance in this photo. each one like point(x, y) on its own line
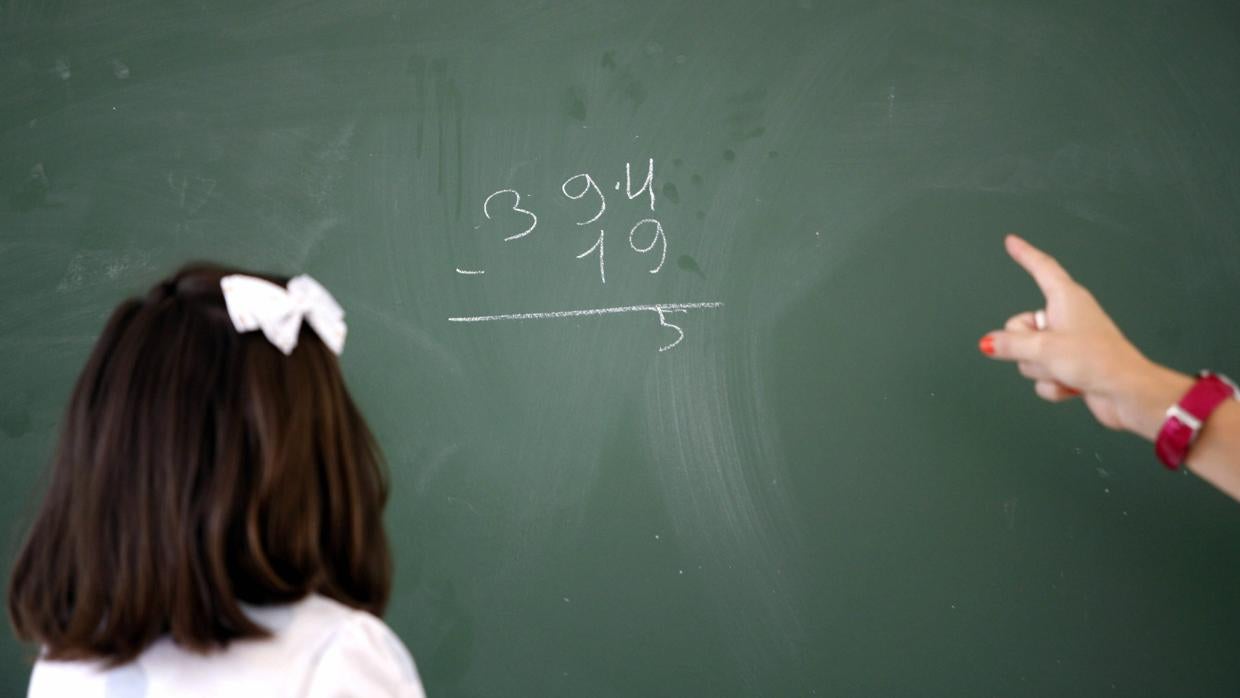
point(197, 469)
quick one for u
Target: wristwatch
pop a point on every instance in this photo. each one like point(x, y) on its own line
point(1186, 417)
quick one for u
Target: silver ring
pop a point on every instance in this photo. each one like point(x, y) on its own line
point(1039, 319)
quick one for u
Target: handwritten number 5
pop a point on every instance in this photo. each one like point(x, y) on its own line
point(516, 206)
point(664, 323)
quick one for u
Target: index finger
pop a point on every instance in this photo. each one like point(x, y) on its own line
point(1046, 272)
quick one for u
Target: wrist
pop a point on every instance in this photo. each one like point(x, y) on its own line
point(1152, 390)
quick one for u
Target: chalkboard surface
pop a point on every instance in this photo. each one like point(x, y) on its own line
point(665, 314)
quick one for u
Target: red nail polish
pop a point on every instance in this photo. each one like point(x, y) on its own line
point(987, 345)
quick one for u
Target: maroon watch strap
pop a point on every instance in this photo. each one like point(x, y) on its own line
point(1186, 417)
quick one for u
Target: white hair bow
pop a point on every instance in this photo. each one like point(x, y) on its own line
point(255, 304)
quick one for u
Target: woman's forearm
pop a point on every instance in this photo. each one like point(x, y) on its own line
point(1215, 455)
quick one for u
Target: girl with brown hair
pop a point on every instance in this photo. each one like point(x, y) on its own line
point(213, 522)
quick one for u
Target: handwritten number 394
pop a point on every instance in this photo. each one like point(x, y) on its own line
point(516, 206)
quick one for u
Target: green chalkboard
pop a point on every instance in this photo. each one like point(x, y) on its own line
point(776, 465)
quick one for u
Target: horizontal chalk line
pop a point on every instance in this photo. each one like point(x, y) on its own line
point(587, 311)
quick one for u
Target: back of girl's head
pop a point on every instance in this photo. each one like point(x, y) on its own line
point(198, 469)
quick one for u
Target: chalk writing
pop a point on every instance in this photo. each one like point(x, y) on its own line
point(658, 237)
point(663, 322)
point(516, 206)
point(602, 273)
point(589, 184)
point(647, 186)
point(585, 312)
point(645, 236)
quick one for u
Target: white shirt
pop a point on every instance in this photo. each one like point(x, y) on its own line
point(319, 648)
